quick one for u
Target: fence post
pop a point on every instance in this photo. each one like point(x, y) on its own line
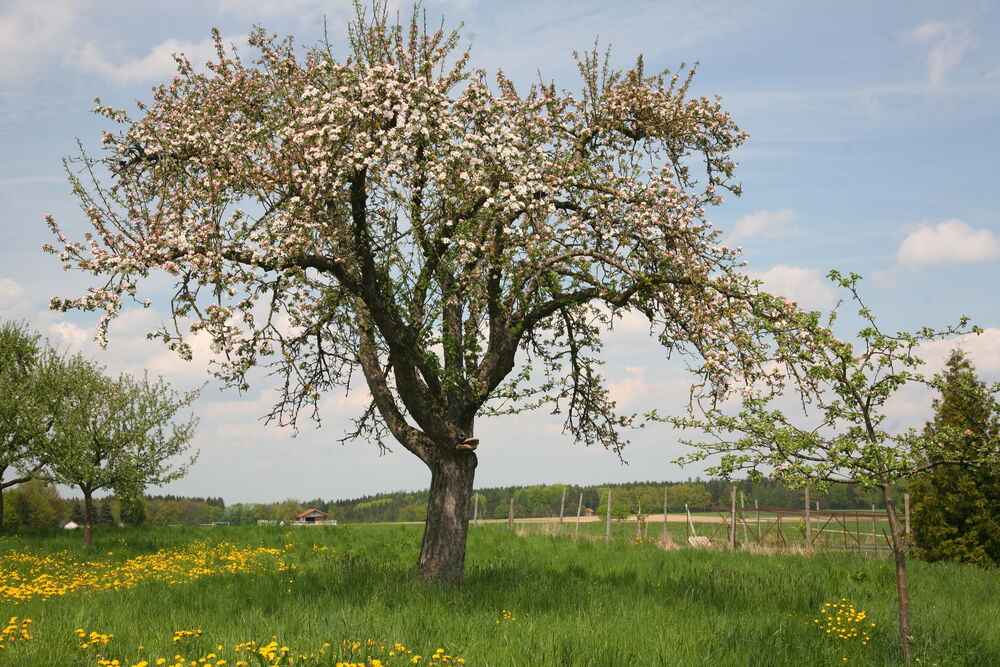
point(906, 511)
point(607, 520)
point(666, 532)
point(638, 522)
point(562, 510)
point(874, 534)
point(579, 508)
point(475, 509)
point(732, 520)
point(809, 532)
point(743, 518)
point(756, 509)
point(510, 515)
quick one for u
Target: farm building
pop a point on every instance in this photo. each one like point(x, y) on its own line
point(314, 517)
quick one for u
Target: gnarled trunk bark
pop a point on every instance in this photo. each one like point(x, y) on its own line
point(442, 555)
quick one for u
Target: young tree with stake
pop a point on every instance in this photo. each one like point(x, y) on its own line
point(460, 243)
point(117, 433)
point(842, 437)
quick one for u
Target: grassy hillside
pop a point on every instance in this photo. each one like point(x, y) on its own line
point(531, 600)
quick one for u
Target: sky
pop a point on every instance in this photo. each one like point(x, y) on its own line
point(873, 135)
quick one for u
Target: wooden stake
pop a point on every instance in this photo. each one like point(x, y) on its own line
point(475, 509)
point(562, 510)
point(666, 533)
point(579, 508)
point(809, 532)
point(732, 520)
point(874, 534)
point(743, 519)
point(510, 515)
point(756, 508)
point(607, 521)
point(638, 521)
point(691, 527)
point(906, 511)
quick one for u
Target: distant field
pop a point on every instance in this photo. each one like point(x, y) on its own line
point(527, 600)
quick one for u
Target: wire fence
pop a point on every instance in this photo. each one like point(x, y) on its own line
point(735, 527)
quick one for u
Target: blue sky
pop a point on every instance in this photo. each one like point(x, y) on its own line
point(873, 136)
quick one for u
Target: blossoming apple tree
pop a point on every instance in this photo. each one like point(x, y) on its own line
point(116, 433)
point(460, 242)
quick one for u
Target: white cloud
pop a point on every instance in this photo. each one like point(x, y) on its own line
point(764, 223)
point(625, 391)
point(158, 64)
point(947, 42)
point(805, 286)
point(31, 31)
point(172, 366)
point(10, 292)
point(950, 242)
point(910, 407)
point(650, 387)
point(982, 349)
point(68, 336)
point(314, 8)
point(277, 7)
point(241, 419)
point(631, 323)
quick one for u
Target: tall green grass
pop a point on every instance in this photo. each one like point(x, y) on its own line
point(573, 603)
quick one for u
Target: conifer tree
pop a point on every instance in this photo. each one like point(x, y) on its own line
point(104, 516)
point(133, 510)
point(956, 510)
point(76, 513)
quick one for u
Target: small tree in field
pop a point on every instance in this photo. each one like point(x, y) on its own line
point(460, 243)
point(29, 404)
point(842, 437)
point(955, 508)
point(118, 434)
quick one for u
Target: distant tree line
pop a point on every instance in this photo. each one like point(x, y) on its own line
point(544, 501)
point(37, 503)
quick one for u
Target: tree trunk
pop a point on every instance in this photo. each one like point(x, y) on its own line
point(899, 555)
point(88, 511)
point(442, 555)
point(1, 508)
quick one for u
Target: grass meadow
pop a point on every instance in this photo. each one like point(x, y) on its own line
point(347, 594)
